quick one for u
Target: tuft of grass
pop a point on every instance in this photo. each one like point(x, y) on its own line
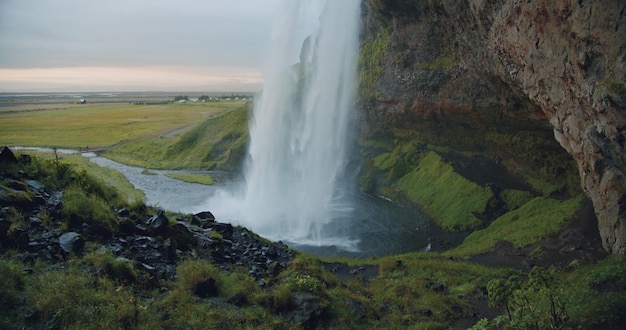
point(109, 177)
point(450, 199)
point(120, 270)
point(73, 299)
point(79, 207)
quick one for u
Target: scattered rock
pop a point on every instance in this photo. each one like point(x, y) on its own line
point(202, 219)
point(159, 223)
point(71, 242)
point(307, 309)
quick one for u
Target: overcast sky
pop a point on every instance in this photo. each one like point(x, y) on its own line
point(116, 45)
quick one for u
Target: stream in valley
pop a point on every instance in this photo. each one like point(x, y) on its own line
point(372, 226)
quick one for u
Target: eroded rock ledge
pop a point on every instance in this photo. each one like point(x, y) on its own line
point(560, 63)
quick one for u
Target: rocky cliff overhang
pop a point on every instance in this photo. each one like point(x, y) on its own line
point(565, 59)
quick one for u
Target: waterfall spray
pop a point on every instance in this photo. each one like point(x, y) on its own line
point(299, 126)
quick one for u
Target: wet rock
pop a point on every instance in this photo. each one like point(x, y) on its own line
point(203, 219)
point(307, 308)
point(181, 236)
point(123, 212)
point(159, 223)
point(225, 229)
point(72, 242)
point(36, 185)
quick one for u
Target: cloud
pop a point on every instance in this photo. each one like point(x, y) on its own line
point(87, 79)
point(63, 34)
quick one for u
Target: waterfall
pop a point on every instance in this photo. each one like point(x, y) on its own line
point(299, 125)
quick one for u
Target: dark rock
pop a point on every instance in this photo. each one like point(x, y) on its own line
point(123, 212)
point(181, 236)
point(25, 159)
point(19, 236)
point(126, 226)
point(159, 223)
point(356, 308)
point(225, 229)
point(36, 185)
point(206, 288)
point(71, 242)
point(7, 156)
point(437, 287)
point(307, 308)
point(5, 224)
point(238, 299)
point(203, 219)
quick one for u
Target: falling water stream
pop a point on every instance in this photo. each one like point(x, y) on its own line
point(295, 187)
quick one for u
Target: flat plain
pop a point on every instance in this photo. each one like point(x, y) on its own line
point(105, 120)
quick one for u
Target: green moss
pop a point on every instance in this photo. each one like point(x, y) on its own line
point(515, 198)
point(451, 200)
point(192, 178)
point(524, 226)
point(441, 63)
point(373, 54)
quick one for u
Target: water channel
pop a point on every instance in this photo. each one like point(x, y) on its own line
point(373, 226)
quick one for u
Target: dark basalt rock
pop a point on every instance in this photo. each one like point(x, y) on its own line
point(71, 242)
point(307, 309)
point(159, 223)
point(153, 243)
point(203, 219)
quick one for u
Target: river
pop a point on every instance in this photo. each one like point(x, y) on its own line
point(373, 226)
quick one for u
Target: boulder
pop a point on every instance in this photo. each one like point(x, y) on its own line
point(7, 156)
point(71, 242)
point(202, 219)
point(159, 223)
point(307, 309)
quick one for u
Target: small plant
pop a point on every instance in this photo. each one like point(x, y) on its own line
point(535, 304)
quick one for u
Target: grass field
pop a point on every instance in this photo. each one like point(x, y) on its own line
point(104, 125)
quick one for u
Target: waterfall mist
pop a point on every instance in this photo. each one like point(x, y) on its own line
point(299, 128)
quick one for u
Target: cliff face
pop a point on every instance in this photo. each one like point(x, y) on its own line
point(507, 78)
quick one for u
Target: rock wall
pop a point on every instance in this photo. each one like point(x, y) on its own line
point(535, 65)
